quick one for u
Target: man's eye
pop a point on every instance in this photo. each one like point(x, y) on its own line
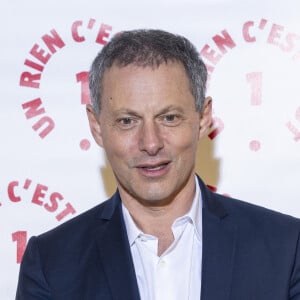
point(170, 118)
point(125, 121)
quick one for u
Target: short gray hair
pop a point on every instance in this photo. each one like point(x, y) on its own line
point(149, 48)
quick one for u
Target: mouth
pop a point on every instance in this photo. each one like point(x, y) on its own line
point(155, 167)
point(154, 170)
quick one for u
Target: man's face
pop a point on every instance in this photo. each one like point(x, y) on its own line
point(149, 128)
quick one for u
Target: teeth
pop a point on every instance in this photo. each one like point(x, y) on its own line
point(155, 168)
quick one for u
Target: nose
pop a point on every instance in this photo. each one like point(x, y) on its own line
point(150, 138)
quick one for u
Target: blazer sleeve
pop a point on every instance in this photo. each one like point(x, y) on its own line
point(32, 283)
point(295, 278)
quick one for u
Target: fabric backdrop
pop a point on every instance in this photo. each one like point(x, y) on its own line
point(50, 168)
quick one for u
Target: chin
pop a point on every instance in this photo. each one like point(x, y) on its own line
point(156, 199)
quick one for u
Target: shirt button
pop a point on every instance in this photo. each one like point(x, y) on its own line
point(162, 263)
point(143, 239)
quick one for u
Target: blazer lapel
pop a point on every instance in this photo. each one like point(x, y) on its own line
point(219, 239)
point(115, 254)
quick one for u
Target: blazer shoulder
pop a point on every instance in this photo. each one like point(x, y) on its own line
point(81, 225)
point(258, 216)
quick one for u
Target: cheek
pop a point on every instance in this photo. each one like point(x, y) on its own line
point(120, 147)
point(186, 140)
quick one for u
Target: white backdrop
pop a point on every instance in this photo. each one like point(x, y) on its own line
point(51, 170)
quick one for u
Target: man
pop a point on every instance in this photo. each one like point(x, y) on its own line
point(163, 235)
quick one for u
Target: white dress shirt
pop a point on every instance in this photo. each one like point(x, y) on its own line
point(176, 274)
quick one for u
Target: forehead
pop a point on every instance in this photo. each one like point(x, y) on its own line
point(131, 81)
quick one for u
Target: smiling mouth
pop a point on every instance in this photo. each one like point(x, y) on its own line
point(155, 168)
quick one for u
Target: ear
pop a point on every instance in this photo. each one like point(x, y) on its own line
point(205, 117)
point(94, 124)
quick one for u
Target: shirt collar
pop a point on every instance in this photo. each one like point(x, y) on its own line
point(194, 215)
point(132, 230)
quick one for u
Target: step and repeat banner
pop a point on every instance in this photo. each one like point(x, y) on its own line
point(51, 169)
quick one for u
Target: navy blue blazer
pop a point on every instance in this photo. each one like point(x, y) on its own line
point(249, 253)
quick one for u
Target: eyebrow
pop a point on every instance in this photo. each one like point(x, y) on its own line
point(170, 108)
point(165, 110)
point(126, 111)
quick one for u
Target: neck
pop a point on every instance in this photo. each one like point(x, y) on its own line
point(157, 218)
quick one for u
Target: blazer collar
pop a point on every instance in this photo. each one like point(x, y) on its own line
point(209, 201)
point(114, 251)
point(219, 244)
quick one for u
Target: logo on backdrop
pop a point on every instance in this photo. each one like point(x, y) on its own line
point(40, 196)
point(52, 202)
point(39, 55)
point(277, 36)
